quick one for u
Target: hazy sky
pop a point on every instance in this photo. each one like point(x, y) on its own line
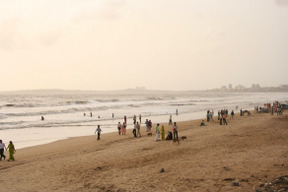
point(159, 44)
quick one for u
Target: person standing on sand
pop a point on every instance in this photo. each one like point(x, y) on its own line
point(224, 119)
point(208, 112)
point(12, 150)
point(162, 133)
point(119, 128)
point(170, 120)
point(138, 129)
point(157, 138)
point(134, 119)
point(149, 125)
point(175, 131)
point(146, 122)
point(140, 118)
point(232, 114)
point(125, 119)
point(98, 131)
point(123, 129)
point(2, 147)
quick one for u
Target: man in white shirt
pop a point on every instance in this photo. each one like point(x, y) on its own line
point(2, 147)
point(175, 130)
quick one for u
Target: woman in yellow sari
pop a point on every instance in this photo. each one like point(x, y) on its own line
point(12, 150)
point(162, 133)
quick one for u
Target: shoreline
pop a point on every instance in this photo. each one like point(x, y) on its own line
point(251, 149)
point(75, 131)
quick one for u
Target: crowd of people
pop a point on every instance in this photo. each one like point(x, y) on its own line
point(159, 131)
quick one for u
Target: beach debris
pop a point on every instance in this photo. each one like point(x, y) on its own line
point(235, 183)
point(162, 170)
point(226, 168)
point(278, 184)
point(229, 179)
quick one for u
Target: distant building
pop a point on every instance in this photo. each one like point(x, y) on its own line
point(239, 87)
point(283, 86)
point(230, 87)
point(255, 87)
point(223, 88)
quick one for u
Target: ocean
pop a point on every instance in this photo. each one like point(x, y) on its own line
point(63, 111)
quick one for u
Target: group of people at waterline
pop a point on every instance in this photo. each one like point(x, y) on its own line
point(160, 132)
point(9, 148)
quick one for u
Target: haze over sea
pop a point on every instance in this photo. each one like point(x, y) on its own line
point(20, 112)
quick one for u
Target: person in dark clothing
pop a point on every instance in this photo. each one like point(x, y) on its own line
point(2, 147)
point(98, 131)
point(169, 136)
point(224, 120)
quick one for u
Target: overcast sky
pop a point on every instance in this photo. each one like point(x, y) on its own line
point(159, 44)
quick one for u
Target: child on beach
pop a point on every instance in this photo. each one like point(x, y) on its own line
point(98, 131)
point(202, 123)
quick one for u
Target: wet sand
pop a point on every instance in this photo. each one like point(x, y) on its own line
point(251, 149)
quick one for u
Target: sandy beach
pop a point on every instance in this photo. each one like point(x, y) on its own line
point(251, 150)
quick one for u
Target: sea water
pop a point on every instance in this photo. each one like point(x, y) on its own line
point(63, 111)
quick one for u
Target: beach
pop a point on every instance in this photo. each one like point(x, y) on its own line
point(63, 111)
point(249, 151)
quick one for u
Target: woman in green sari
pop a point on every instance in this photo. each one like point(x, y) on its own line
point(12, 150)
point(162, 133)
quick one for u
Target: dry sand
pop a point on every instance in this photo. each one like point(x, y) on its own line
point(251, 149)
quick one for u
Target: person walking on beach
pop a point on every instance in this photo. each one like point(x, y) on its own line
point(12, 150)
point(208, 115)
point(2, 147)
point(157, 138)
point(134, 119)
point(224, 119)
point(119, 128)
point(170, 120)
point(175, 131)
point(162, 133)
point(125, 119)
point(140, 118)
point(134, 131)
point(149, 125)
point(98, 131)
point(138, 129)
point(123, 129)
point(146, 122)
point(232, 114)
